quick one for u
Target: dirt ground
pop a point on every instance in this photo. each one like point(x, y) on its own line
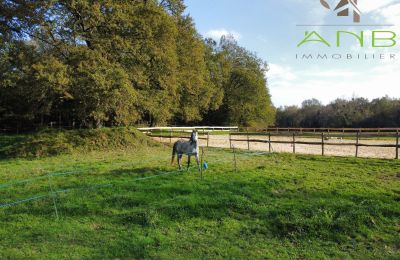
point(222, 141)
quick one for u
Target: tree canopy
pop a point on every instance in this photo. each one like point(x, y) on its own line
point(105, 63)
point(357, 112)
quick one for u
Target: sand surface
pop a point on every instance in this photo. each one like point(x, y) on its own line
point(222, 141)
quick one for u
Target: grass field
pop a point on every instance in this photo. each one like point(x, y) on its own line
point(274, 206)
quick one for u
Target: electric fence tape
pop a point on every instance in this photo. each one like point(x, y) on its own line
point(95, 187)
point(57, 174)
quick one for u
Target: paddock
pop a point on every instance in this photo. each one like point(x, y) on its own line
point(135, 204)
point(365, 143)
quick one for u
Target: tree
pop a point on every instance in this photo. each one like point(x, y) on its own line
point(247, 100)
point(18, 92)
point(111, 62)
point(310, 113)
point(101, 91)
point(356, 112)
point(197, 93)
point(288, 116)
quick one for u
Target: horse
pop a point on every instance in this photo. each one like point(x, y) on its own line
point(189, 148)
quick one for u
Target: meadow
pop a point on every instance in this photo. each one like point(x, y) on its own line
point(132, 203)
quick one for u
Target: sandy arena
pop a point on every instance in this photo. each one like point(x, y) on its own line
point(222, 141)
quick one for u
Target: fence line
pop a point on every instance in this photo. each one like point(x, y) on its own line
point(57, 174)
point(323, 134)
point(51, 193)
point(93, 187)
point(322, 143)
point(325, 130)
point(205, 128)
point(218, 128)
point(39, 178)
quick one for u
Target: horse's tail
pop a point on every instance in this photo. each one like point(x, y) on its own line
point(173, 153)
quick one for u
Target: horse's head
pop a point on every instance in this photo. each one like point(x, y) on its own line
point(194, 137)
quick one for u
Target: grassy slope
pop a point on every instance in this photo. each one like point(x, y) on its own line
point(54, 142)
point(274, 206)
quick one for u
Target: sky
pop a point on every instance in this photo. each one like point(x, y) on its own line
point(270, 28)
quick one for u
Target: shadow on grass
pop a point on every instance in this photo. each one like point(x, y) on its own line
point(139, 172)
point(347, 160)
point(7, 142)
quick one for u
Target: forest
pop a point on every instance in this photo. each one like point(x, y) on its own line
point(90, 64)
point(356, 112)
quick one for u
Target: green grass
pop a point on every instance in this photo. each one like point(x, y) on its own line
point(274, 206)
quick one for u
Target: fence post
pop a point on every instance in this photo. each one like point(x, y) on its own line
point(230, 140)
point(234, 158)
point(294, 143)
point(170, 136)
point(357, 142)
point(53, 195)
point(208, 139)
point(397, 145)
point(248, 139)
point(201, 162)
point(269, 142)
point(323, 143)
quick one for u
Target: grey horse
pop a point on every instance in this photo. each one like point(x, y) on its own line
point(189, 148)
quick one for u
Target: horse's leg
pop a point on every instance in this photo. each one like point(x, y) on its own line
point(188, 162)
point(179, 161)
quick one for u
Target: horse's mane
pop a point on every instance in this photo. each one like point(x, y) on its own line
point(192, 138)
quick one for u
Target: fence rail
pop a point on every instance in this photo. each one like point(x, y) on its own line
point(323, 130)
point(323, 134)
point(199, 128)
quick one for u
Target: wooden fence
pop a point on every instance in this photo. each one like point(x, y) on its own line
point(323, 140)
point(323, 130)
point(322, 134)
point(191, 128)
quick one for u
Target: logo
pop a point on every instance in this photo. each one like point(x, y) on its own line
point(344, 8)
point(343, 38)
